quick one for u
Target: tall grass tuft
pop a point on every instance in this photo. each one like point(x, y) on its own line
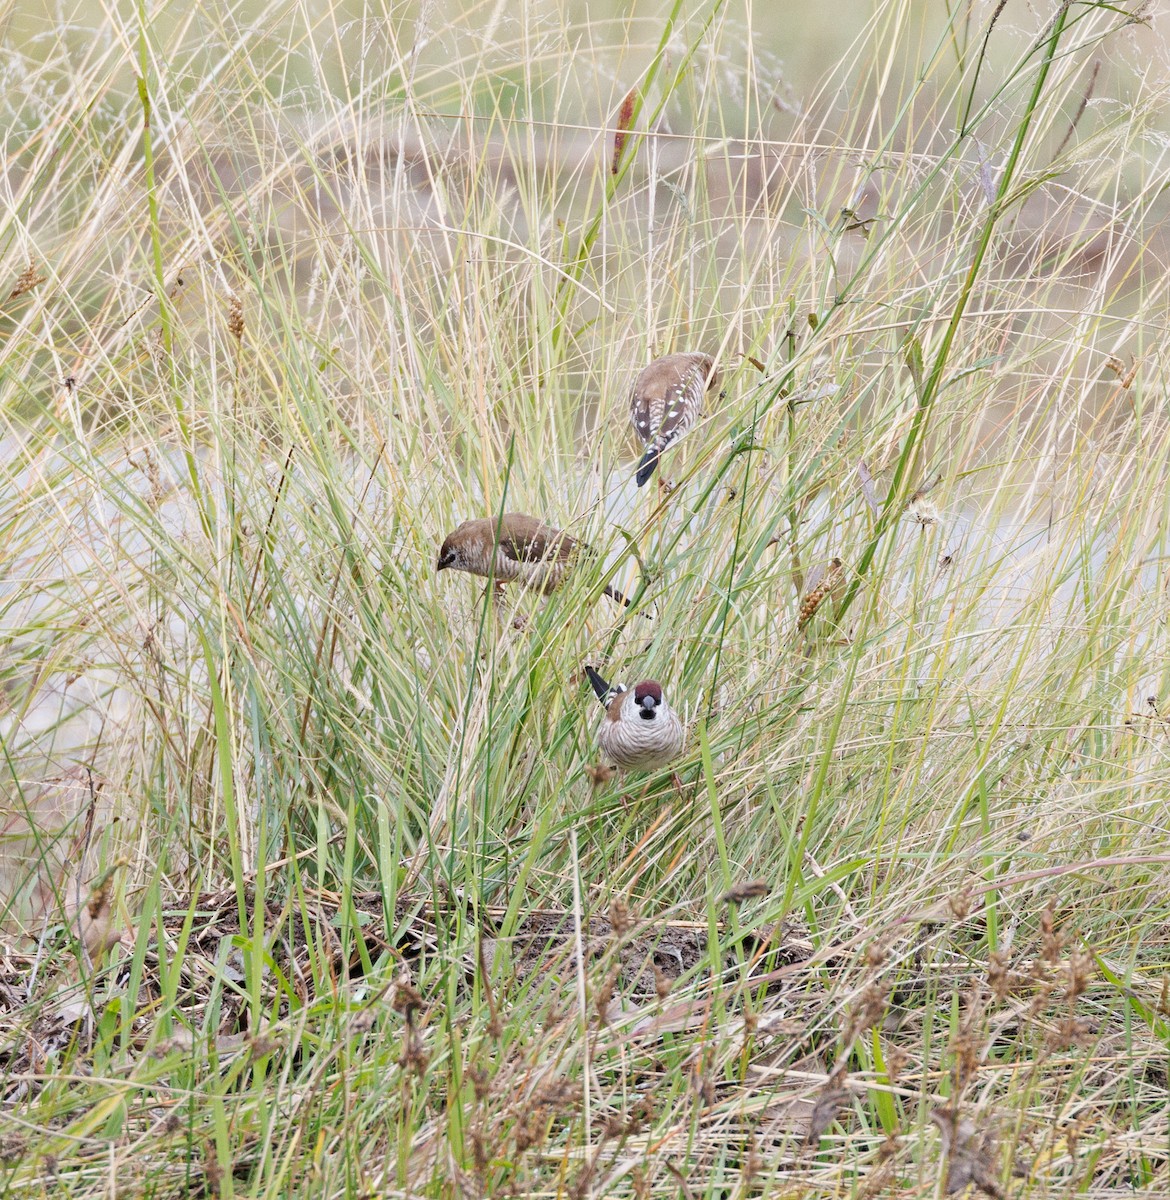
point(310, 880)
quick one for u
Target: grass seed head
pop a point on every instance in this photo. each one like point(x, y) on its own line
point(559, 1094)
point(880, 1180)
point(531, 1129)
point(896, 1061)
point(876, 956)
point(620, 919)
point(599, 774)
point(867, 1011)
point(236, 319)
point(580, 1186)
point(480, 1082)
point(604, 996)
point(413, 1057)
point(701, 1082)
point(624, 118)
point(662, 984)
point(1051, 940)
point(479, 1151)
point(831, 583)
point(752, 1163)
point(28, 279)
point(967, 1047)
point(1071, 1031)
point(405, 998)
point(212, 1171)
point(999, 975)
point(960, 903)
point(1080, 973)
point(969, 1154)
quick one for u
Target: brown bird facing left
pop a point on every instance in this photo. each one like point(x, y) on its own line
point(523, 550)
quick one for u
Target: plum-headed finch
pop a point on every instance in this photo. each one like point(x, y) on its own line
point(640, 731)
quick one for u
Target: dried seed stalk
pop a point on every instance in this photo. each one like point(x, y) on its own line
point(834, 577)
point(625, 117)
point(28, 279)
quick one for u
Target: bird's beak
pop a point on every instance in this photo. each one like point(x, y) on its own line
point(440, 565)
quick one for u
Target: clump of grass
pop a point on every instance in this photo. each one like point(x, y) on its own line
point(310, 884)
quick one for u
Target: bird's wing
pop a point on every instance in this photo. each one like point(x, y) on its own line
point(642, 413)
point(681, 403)
point(613, 706)
point(535, 542)
point(668, 395)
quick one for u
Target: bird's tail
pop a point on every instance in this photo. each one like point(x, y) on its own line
point(599, 685)
point(647, 465)
point(612, 592)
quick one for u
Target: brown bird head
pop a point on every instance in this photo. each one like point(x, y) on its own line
point(453, 552)
point(448, 556)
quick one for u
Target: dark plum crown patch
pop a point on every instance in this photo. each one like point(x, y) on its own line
point(647, 688)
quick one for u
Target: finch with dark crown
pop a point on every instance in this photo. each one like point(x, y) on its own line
point(640, 731)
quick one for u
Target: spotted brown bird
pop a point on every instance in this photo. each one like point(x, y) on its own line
point(640, 730)
point(521, 549)
point(667, 400)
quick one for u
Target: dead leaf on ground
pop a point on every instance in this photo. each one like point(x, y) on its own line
point(969, 1153)
point(824, 1112)
point(95, 921)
